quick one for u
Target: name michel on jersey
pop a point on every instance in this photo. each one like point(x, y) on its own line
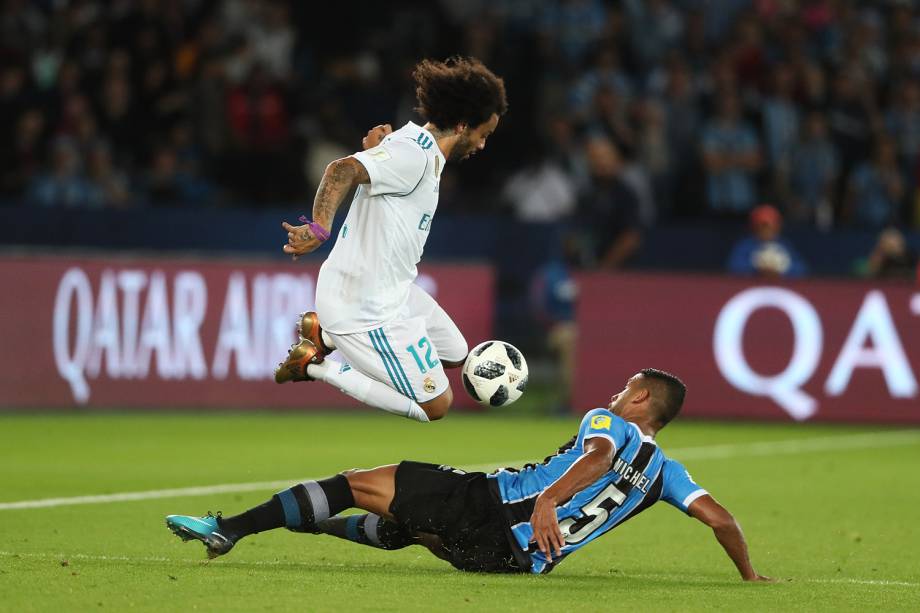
point(631, 475)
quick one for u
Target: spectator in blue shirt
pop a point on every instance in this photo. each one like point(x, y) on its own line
point(903, 125)
point(731, 157)
point(814, 169)
point(876, 188)
point(554, 293)
point(65, 185)
point(765, 253)
point(780, 121)
point(573, 27)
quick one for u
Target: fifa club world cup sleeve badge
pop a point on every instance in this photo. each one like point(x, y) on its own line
point(600, 422)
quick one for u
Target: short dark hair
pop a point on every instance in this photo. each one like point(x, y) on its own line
point(667, 393)
point(459, 90)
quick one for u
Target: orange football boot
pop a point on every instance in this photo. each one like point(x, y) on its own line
point(294, 367)
point(310, 330)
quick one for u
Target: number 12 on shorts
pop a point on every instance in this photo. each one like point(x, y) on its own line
point(422, 344)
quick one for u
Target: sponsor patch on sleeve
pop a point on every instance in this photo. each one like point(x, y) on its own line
point(600, 422)
point(379, 153)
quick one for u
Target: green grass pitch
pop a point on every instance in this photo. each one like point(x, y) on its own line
point(830, 511)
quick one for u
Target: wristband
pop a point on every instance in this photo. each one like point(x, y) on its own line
point(321, 233)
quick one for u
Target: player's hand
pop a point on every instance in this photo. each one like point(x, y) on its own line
point(375, 135)
point(546, 532)
point(300, 240)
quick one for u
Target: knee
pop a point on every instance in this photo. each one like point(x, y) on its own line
point(351, 475)
point(451, 364)
point(460, 349)
point(437, 408)
point(359, 479)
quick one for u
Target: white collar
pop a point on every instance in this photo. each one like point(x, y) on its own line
point(645, 437)
point(431, 136)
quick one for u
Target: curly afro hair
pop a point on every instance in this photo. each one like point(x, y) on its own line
point(459, 91)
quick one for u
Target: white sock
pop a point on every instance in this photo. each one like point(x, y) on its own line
point(364, 389)
point(327, 340)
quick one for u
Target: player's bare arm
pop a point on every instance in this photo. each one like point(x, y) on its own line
point(590, 466)
point(341, 176)
point(374, 137)
point(727, 532)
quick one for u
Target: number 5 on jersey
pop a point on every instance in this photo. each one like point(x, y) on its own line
point(595, 513)
point(422, 344)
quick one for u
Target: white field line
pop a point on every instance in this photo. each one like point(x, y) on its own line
point(708, 452)
point(279, 563)
point(181, 492)
point(835, 580)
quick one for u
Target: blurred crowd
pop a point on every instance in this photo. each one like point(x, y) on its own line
point(159, 103)
point(623, 113)
point(668, 109)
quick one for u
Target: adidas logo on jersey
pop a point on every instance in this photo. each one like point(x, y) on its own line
point(424, 141)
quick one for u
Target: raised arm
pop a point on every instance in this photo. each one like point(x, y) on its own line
point(340, 177)
point(586, 470)
point(727, 532)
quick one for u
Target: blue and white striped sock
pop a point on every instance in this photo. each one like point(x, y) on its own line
point(310, 502)
point(367, 529)
point(297, 508)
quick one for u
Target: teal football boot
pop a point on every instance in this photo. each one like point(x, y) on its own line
point(205, 529)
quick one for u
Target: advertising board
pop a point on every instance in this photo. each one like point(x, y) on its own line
point(124, 332)
point(807, 350)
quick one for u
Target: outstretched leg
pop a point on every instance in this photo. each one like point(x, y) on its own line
point(299, 508)
point(446, 510)
point(367, 390)
point(375, 531)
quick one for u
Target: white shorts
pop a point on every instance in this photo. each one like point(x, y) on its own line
point(406, 353)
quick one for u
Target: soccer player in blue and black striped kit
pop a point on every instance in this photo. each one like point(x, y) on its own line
point(524, 520)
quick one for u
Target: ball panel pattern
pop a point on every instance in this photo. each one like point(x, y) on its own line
point(513, 354)
point(478, 351)
point(500, 396)
point(470, 389)
point(489, 370)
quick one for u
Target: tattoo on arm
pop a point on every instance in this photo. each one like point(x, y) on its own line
point(340, 177)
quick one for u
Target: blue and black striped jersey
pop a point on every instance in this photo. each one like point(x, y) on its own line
point(639, 476)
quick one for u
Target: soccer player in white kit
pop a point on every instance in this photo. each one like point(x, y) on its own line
point(395, 339)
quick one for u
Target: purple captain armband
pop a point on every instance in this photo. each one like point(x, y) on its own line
point(321, 233)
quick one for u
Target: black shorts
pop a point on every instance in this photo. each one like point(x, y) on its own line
point(458, 507)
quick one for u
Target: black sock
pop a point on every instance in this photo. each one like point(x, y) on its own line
point(297, 508)
point(368, 529)
point(338, 495)
point(266, 516)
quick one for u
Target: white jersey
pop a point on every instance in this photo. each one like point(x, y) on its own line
point(365, 281)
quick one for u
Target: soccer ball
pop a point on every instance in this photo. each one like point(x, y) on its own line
point(495, 373)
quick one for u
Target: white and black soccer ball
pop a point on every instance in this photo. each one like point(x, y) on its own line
point(495, 373)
